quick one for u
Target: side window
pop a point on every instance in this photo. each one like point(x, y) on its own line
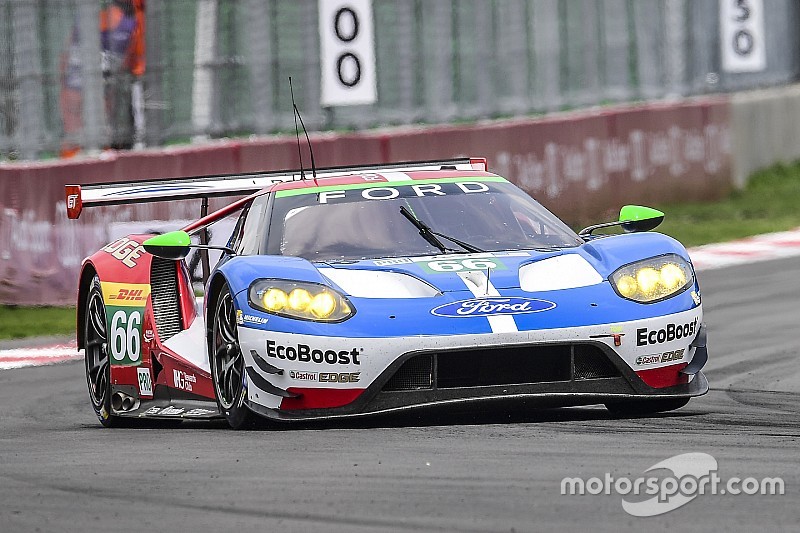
point(235, 239)
point(250, 228)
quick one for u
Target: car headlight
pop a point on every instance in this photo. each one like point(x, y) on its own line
point(653, 279)
point(299, 299)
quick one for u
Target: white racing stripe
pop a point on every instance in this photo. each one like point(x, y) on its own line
point(480, 286)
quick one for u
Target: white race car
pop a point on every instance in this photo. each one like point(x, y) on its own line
point(382, 288)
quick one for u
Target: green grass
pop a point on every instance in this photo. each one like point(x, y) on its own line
point(19, 322)
point(770, 202)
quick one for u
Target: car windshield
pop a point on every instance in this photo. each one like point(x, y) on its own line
point(366, 222)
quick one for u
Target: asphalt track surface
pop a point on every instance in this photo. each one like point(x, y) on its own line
point(499, 470)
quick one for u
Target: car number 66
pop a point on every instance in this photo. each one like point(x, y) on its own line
point(455, 265)
point(123, 338)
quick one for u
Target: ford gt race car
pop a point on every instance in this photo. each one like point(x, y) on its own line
point(375, 289)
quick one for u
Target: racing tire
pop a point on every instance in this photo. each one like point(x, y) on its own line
point(646, 407)
point(96, 357)
point(227, 364)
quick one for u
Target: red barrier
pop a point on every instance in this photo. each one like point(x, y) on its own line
point(582, 165)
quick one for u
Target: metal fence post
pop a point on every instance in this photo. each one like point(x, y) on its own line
point(703, 75)
point(312, 109)
point(205, 50)
point(674, 49)
point(259, 64)
point(615, 51)
point(589, 92)
point(28, 71)
point(649, 47)
point(547, 80)
point(486, 77)
point(154, 76)
point(405, 58)
point(6, 82)
point(512, 58)
point(438, 61)
point(93, 113)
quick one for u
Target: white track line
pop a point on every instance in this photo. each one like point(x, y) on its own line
point(38, 356)
point(749, 250)
point(708, 257)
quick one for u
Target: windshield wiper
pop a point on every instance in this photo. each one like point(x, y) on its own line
point(429, 235)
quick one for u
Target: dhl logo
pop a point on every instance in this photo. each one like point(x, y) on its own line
point(125, 294)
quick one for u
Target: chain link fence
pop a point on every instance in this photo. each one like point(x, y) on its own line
point(220, 67)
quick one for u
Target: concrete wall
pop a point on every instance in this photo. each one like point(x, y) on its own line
point(766, 127)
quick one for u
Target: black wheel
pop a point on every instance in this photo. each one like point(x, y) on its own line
point(98, 371)
point(227, 363)
point(646, 407)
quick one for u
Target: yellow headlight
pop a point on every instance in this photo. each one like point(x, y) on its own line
point(648, 279)
point(672, 276)
point(299, 299)
point(323, 305)
point(274, 299)
point(627, 286)
point(652, 280)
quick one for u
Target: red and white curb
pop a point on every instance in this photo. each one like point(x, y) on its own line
point(749, 250)
point(38, 356)
point(708, 257)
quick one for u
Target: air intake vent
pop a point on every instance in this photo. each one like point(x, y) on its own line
point(591, 363)
point(164, 293)
point(515, 365)
point(503, 366)
point(414, 374)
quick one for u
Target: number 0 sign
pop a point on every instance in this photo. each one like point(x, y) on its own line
point(347, 52)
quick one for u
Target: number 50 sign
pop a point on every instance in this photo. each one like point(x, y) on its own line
point(347, 52)
point(742, 35)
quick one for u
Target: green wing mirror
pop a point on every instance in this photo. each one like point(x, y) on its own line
point(639, 218)
point(173, 245)
point(632, 218)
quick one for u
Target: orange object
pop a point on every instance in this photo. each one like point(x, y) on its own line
point(112, 16)
point(137, 46)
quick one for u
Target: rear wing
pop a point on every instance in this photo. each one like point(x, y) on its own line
point(161, 190)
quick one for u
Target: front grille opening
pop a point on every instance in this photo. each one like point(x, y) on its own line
point(517, 365)
point(164, 293)
point(505, 366)
point(592, 363)
point(414, 374)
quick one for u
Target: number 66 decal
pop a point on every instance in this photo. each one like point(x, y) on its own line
point(461, 265)
point(125, 336)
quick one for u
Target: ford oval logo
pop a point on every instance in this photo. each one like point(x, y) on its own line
point(492, 306)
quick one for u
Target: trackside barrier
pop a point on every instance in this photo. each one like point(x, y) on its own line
point(583, 165)
point(766, 126)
